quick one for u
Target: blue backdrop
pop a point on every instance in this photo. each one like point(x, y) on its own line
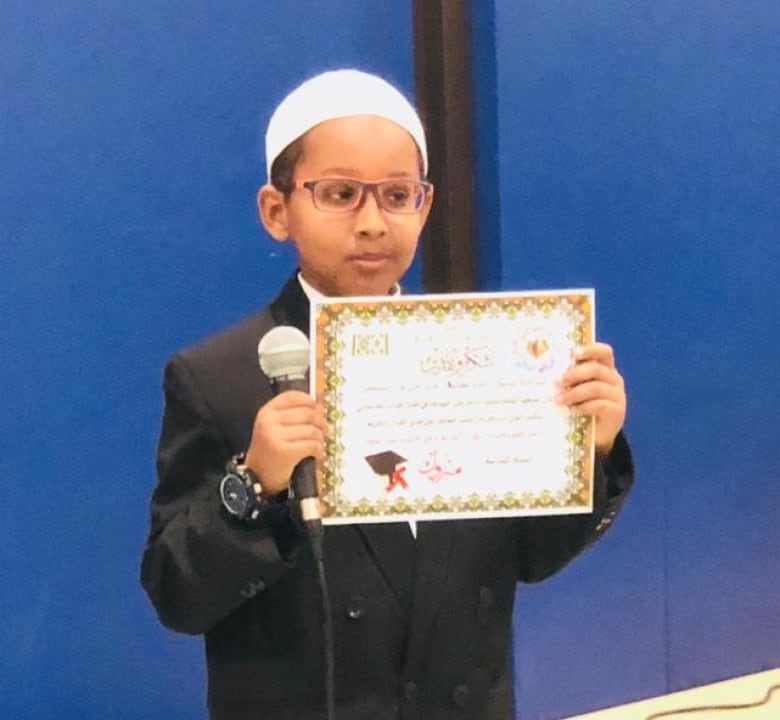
point(632, 147)
point(131, 154)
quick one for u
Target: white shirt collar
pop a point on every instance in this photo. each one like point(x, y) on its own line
point(313, 294)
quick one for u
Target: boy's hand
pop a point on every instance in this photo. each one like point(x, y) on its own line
point(593, 386)
point(288, 428)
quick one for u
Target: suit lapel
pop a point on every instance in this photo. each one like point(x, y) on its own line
point(435, 552)
point(393, 549)
point(291, 306)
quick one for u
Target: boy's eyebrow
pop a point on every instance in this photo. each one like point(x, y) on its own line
point(353, 173)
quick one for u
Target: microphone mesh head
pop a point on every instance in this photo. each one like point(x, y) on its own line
point(283, 352)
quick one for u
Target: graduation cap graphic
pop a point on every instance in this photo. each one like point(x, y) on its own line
point(389, 464)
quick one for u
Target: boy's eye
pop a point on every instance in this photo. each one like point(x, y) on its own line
point(397, 194)
point(337, 192)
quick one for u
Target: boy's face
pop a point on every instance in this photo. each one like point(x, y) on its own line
point(364, 251)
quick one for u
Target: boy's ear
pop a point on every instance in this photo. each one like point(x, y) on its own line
point(272, 210)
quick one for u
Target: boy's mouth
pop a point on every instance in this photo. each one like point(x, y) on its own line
point(370, 260)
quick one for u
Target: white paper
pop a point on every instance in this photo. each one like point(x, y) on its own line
point(442, 406)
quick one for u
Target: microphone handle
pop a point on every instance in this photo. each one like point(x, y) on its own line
point(304, 475)
point(304, 484)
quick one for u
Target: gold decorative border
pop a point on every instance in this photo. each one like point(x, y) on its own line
point(332, 317)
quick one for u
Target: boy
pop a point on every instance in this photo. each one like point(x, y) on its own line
point(421, 623)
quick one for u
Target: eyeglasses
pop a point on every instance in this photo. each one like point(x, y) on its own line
point(340, 195)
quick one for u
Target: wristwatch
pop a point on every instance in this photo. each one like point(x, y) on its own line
point(241, 492)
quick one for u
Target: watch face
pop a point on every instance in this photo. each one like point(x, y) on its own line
point(236, 496)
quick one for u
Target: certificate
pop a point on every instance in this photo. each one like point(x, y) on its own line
point(441, 406)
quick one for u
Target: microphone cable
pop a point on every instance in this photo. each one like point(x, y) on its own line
point(315, 532)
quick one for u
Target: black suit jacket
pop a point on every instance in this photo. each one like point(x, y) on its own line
point(421, 626)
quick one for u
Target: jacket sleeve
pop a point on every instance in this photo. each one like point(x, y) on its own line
point(547, 544)
point(199, 564)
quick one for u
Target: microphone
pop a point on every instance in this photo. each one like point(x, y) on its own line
point(283, 353)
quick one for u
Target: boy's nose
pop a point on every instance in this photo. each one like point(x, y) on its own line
point(370, 220)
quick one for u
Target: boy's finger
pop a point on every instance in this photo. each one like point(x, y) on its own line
point(591, 407)
point(296, 416)
point(599, 352)
point(588, 371)
point(321, 420)
point(303, 431)
point(291, 398)
point(306, 447)
point(587, 392)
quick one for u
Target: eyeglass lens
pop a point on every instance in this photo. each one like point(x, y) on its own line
point(341, 195)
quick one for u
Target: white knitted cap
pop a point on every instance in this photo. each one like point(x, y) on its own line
point(337, 94)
